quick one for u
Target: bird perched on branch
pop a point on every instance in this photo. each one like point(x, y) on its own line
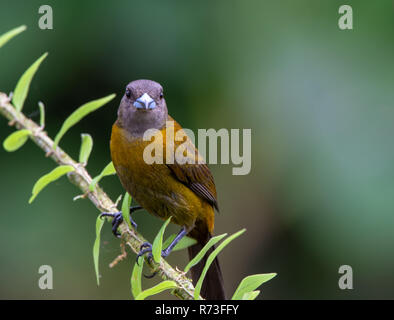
point(183, 190)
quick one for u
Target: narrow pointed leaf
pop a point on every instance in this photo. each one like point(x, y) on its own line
point(96, 247)
point(16, 140)
point(42, 114)
point(158, 242)
point(251, 283)
point(118, 199)
point(4, 38)
point(165, 285)
point(22, 87)
point(136, 286)
point(107, 171)
point(126, 209)
point(48, 178)
point(80, 113)
point(204, 250)
point(251, 295)
point(210, 259)
point(86, 148)
point(184, 243)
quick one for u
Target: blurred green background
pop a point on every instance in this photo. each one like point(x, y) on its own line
point(319, 102)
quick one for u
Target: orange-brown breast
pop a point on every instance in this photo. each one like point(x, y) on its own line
point(159, 188)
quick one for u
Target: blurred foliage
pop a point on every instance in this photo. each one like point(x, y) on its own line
point(318, 100)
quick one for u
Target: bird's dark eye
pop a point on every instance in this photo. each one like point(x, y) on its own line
point(161, 95)
point(128, 93)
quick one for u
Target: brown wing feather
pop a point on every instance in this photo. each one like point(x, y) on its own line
point(197, 177)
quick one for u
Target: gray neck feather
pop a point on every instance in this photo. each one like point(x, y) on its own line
point(136, 122)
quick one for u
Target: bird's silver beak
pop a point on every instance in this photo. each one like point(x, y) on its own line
point(145, 102)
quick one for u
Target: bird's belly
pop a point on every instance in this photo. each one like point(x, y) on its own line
point(152, 185)
point(156, 193)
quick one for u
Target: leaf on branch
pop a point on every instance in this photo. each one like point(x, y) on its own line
point(118, 199)
point(80, 113)
point(250, 283)
point(184, 243)
point(4, 38)
point(48, 178)
point(107, 171)
point(86, 148)
point(158, 242)
point(251, 295)
point(136, 286)
point(164, 285)
point(210, 259)
point(42, 114)
point(96, 247)
point(16, 140)
point(126, 209)
point(204, 250)
point(22, 87)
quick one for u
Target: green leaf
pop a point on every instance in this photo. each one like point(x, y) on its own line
point(16, 140)
point(184, 243)
point(158, 242)
point(204, 250)
point(22, 87)
point(42, 114)
point(107, 171)
point(126, 209)
point(136, 286)
point(4, 38)
point(251, 283)
point(118, 199)
point(96, 247)
point(80, 113)
point(251, 295)
point(165, 285)
point(210, 259)
point(48, 178)
point(86, 148)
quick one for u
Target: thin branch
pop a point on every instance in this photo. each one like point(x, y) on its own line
point(81, 178)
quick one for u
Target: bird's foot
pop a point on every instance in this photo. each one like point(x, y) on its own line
point(146, 247)
point(117, 220)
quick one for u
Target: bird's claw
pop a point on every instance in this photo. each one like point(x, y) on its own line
point(146, 247)
point(150, 276)
point(146, 244)
point(116, 221)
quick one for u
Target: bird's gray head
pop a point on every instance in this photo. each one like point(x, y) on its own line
point(142, 107)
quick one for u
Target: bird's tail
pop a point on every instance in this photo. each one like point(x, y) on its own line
point(212, 287)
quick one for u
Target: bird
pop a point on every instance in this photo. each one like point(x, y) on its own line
point(182, 190)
